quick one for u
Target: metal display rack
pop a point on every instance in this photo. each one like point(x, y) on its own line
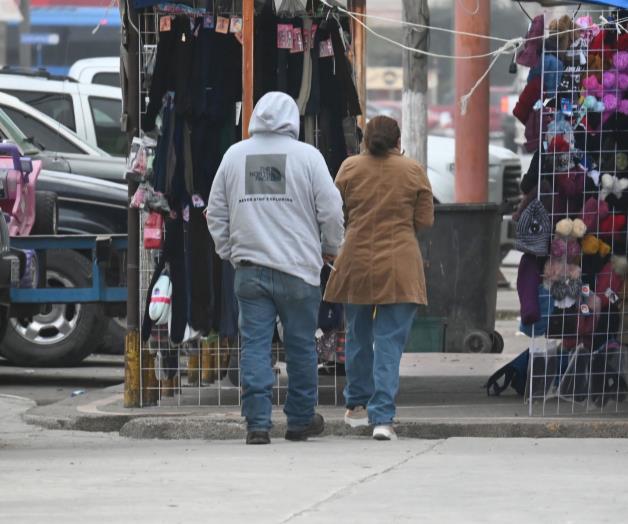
point(580, 365)
point(205, 371)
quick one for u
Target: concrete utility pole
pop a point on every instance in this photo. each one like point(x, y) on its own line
point(414, 97)
point(472, 129)
point(25, 27)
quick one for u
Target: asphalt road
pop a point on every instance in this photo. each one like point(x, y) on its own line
point(48, 385)
point(71, 477)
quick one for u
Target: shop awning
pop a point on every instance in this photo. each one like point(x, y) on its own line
point(10, 12)
point(74, 16)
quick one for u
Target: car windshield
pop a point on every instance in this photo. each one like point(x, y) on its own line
point(11, 132)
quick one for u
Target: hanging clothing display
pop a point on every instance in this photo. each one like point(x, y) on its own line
point(193, 84)
point(572, 221)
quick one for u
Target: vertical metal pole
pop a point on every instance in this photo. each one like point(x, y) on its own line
point(132, 371)
point(359, 55)
point(472, 129)
point(248, 48)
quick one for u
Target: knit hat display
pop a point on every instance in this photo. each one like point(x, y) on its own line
point(529, 53)
point(533, 230)
point(591, 245)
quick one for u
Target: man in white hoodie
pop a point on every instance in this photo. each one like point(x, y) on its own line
point(276, 214)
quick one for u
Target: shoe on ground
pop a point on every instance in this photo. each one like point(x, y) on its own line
point(316, 427)
point(384, 433)
point(357, 417)
point(258, 437)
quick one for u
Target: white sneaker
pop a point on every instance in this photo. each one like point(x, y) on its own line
point(384, 433)
point(356, 417)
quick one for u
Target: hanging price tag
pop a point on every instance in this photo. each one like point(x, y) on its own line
point(222, 25)
point(326, 49)
point(297, 41)
point(208, 22)
point(165, 24)
point(236, 24)
point(284, 36)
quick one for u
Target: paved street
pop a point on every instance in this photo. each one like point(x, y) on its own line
point(72, 477)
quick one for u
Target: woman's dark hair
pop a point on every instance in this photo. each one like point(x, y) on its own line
point(382, 134)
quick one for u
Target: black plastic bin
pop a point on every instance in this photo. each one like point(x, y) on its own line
point(462, 257)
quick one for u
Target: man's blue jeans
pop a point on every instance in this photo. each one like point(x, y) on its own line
point(373, 353)
point(264, 293)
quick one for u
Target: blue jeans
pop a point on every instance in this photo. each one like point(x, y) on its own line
point(373, 353)
point(264, 293)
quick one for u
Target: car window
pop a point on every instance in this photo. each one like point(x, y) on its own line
point(106, 115)
point(107, 79)
point(41, 134)
point(55, 105)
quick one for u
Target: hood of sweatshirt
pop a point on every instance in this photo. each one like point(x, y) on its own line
point(275, 112)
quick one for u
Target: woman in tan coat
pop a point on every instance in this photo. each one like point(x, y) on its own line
point(379, 271)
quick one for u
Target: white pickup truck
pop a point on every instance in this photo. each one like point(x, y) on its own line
point(504, 175)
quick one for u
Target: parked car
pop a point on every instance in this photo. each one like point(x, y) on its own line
point(92, 111)
point(102, 70)
point(41, 137)
point(85, 206)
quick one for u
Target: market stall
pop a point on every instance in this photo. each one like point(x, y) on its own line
point(200, 69)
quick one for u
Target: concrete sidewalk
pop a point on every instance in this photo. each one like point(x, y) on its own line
point(441, 396)
point(430, 406)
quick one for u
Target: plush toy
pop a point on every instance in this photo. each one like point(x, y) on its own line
point(611, 185)
point(561, 32)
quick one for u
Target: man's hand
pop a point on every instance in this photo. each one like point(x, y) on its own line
point(329, 259)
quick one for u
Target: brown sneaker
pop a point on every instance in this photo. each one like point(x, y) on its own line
point(357, 417)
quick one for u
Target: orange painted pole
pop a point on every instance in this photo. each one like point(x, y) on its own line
point(248, 31)
point(359, 55)
point(472, 129)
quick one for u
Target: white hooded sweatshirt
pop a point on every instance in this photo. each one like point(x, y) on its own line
point(273, 202)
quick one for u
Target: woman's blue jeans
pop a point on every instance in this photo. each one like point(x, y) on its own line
point(375, 339)
point(264, 293)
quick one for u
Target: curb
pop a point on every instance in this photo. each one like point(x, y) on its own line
point(208, 428)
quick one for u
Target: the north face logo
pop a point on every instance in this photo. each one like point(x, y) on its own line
point(265, 175)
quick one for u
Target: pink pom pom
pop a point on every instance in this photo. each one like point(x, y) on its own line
point(620, 60)
point(609, 79)
point(573, 248)
point(592, 86)
point(622, 81)
point(623, 107)
point(558, 248)
point(610, 102)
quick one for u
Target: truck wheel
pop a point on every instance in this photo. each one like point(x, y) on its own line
point(63, 334)
point(114, 337)
point(46, 213)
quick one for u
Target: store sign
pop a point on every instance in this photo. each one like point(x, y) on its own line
point(39, 39)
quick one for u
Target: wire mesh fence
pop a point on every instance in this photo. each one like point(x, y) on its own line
point(578, 365)
point(205, 371)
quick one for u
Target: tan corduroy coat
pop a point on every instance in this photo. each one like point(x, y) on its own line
point(387, 200)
